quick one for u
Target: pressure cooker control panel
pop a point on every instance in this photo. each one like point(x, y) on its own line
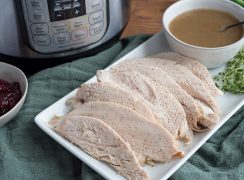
point(61, 25)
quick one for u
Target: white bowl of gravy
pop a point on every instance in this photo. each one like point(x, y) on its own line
point(193, 29)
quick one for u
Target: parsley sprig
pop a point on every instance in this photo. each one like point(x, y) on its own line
point(232, 79)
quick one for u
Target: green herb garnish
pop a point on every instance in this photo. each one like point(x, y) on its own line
point(240, 2)
point(232, 79)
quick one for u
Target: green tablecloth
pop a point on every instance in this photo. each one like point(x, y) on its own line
point(28, 153)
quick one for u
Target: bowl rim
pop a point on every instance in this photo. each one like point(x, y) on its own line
point(23, 93)
point(194, 46)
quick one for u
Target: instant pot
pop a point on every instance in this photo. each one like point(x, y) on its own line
point(57, 30)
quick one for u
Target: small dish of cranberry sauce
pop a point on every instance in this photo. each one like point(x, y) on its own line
point(13, 91)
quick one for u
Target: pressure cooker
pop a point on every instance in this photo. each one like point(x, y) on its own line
point(57, 29)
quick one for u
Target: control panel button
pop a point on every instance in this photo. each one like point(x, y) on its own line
point(59, 27)
point(39, 29)
point(76, 12)
point(96, 17)
point(78, 23)
point(79, 35)
point(36, 4)
point(96, 28)
point(59, 15)
point(42, 40)
point(61, 38)
point(37, 16)
point(94, 5)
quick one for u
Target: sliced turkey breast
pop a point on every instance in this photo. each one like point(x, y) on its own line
point(188, 81)
point(149, 141)
point(102, 142)
point(195, 67)
point(109, 93)
point(167, 110)
point(188, 103)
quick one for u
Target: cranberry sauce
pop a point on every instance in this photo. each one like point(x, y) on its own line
point(10, 94)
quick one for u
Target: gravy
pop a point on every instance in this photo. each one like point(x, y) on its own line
point(201, 27)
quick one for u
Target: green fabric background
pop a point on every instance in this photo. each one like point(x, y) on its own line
point(28, 153)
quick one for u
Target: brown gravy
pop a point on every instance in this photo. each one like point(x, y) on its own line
point(201, 27)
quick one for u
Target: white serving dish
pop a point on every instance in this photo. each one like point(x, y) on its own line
point(210, 57)
point(13, 74)
point(229, 105)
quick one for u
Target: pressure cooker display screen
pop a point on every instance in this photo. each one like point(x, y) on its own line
point(66, 9)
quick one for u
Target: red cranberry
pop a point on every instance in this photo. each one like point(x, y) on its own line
point(10, 94)
point(4, 85)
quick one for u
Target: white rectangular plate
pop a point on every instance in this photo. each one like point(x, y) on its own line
point(229, 105)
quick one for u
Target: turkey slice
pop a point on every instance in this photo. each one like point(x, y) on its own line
point(195, 67)
point(109, 93)
point(149, 141)
point(100, 141)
